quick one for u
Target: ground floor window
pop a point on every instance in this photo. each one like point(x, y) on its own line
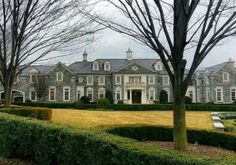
point(151, 94)
point(118, 95)
point(233, 94)
point(33, 95)
point(219, 94)
point(52, 93)
point(66, 94)
point(207, 94)
point(78, 95)
point(101, 93)
point(90, 94)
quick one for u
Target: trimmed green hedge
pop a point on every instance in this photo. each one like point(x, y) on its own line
point(34, 112)
point(48, 143)
point(141, 107)
point(143, 133)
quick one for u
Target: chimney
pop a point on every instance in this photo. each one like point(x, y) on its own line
point(85, 54)
point(129, 54)
point(231, 62)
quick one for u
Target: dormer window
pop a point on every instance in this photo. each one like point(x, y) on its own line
point(225, 76)
point(59, 76)
point(158, 66)
point(107, 66)
point(95, 66)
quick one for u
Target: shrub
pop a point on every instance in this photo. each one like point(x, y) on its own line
point(103, 103)
point(120, 102)
point(156, 102)
point(109, 96)
point(85, 99)
point(34, 112)
point(28, 101)
point(188, 100)
point(163, 97)
point(48, 143)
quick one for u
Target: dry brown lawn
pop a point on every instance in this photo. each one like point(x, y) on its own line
point(88, 119)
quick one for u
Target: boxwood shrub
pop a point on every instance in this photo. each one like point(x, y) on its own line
point(35, 112)
point(143, 133)
point(47, 143)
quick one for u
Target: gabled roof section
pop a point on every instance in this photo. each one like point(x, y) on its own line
point(213, 69)
point(63, 65)
point(42, 69)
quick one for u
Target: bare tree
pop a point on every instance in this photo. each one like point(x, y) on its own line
point(174, 29)
point(31, 29)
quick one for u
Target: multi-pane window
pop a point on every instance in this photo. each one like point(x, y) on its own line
point(33, 95)
point(118, 80)
point(118, 95)
point(106, 66)
point(233, 94)
point(101, 80)
point(101, 93)
point(95, 66)
point(165, 80)
point(135, 79)
point(66, 94)
point(225, 76)
point(219, 94)
point(52, 93)
point(59, 76)
point(151, 94)
point(90, 80)
point(33, 78)
point(151, 80)
point(90, 94)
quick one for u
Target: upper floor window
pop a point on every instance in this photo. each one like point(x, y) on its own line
point(165, 80)
point(90, 80)
point(135, 79)
point(158, 66)
point(59, 76)
point(151, 80)
point(225, 76)
point(33, 78)
point(107, 66)
point(95, 66)
point(118, 79)
point(101, 80)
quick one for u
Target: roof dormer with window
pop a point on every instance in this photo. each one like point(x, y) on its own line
point(95, 65)
point(107, 66)
point(158, 65)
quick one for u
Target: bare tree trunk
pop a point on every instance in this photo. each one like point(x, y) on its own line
point(7, 96)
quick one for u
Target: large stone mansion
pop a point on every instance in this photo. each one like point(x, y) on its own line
point(134, 81)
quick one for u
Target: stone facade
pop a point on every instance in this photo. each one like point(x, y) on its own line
point(134, 81)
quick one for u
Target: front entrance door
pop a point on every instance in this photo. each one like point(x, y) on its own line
point(136, 96)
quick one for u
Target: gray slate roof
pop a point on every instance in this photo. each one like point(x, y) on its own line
point(86, 67)
point(41, 68)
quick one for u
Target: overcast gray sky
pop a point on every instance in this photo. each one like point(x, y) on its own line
point(114, 45)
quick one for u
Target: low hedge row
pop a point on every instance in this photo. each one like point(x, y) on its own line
point(144, 133)
point(47, 143)
point(141, 107)
point(34, 112)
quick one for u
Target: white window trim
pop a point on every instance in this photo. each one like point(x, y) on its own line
point(55, 93)
point(100, 91)
point(116, 91)
point(231, 93)
point(99, 82)
point(30, 96)
point(88, 81)
point(62, 76)
point(168, 82)
point(94, 64)
point(221, 89)
point(227, 80)
point(154, 94)
point(152, 83)
point(90, 89)
point(107, 64)
point(118, 83)
point(31, 78)
point(64, 89)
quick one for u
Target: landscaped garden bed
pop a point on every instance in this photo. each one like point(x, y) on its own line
point(48, 143)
